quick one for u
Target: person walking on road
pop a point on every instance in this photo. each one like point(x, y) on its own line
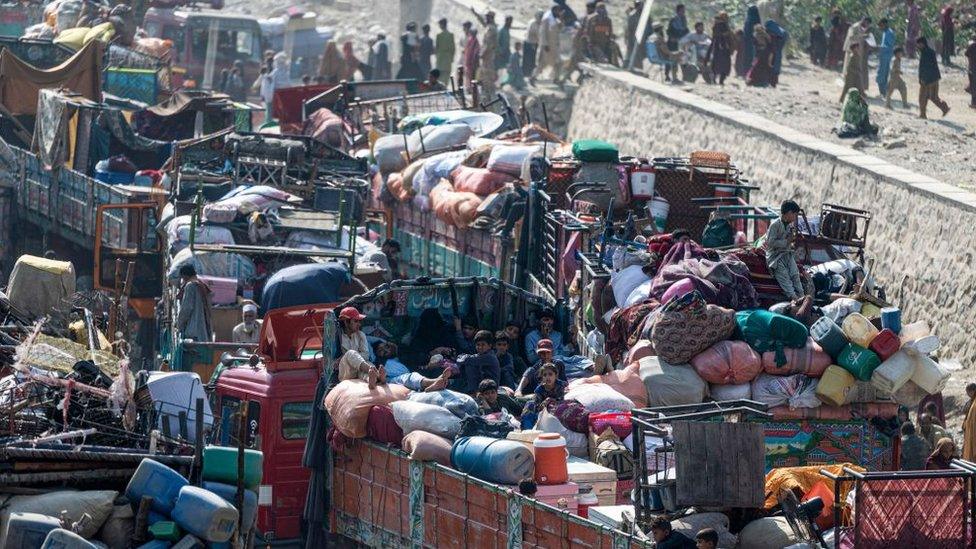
point(487, 75)
point(948, 27)
point(425, 50)
point(818, 42)
point(971, 66)
point(549, 43)
point(885, 50)
point(445, 49)
point(504, 44)
point(472, 57)
point(835, 43)
point(928, 79)
point(896, 82)
point(719, 55)
point(852, 71)
point(530, 47)
point(748, 52)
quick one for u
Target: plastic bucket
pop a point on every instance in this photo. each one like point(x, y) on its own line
point(550, 459)
point(658, 208)
point(642, 182)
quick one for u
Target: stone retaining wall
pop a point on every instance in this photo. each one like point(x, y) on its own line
point(923, 232)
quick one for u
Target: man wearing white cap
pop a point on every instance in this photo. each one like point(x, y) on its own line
point(249, 330)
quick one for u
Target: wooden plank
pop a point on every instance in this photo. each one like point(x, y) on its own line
point(719, 464)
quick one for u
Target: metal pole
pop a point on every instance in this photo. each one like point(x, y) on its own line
point(198, 442)
point(241, 444)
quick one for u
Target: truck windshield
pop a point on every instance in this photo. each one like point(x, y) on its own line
point(294, 419)
point(232, 44)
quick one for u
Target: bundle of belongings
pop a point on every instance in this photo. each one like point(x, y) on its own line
point(447, 169)
point(691, 319)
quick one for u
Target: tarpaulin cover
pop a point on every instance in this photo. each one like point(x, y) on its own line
point(925, 512)
point(304, 285)
point(20, 82)
point(37, 285)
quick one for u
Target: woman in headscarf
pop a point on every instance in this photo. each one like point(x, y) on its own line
point(350, 63)
point(719, 55)
point(432, 336)
point(331, 64)
point(948, 35)
point(835, 43)
point(942, 456)
point(778, 37)
point(749, 48)
point(855, 120)
point(761, 71)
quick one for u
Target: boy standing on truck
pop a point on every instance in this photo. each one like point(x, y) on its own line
point(779, 251)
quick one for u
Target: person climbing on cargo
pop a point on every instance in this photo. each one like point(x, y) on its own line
point(942, 456)
point(530, 379)
point(780, 257)
point(547, 319)
point(491, 401)
point(248, 331)
point(194, 318)
point(667, 538)
point(512, 367)
point(481, 365)
point(706, 538)
point(914, 449)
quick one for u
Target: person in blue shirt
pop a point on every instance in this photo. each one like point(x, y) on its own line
point(885, 52)
point(547, 320)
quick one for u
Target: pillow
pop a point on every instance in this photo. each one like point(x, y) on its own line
point(349, 403)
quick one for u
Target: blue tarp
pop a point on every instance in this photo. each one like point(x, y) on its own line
point(304, 285)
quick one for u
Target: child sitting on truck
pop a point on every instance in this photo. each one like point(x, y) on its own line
point(490, 401)
point(511, 366)
point(483, 365)
point(779, 251)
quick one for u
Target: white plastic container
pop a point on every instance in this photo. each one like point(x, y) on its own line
point(659, 208)
point(913, 331)
point(926, 345)
point(928, 375)
point(894, 372)
point(642, 182)
point(859, 329)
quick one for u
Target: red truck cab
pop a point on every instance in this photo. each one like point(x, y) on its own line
point(279, 395)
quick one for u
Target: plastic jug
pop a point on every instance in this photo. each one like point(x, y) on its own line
point(885, 344)
point(925, 345)
point(834, 385)
point(859, 329)
point(858, 361)
point(913, 331)
point(27, 529)
point(229, 494)
point(491, 459)
point(928, 375)
point(894, 372)
point(586, 500)
point(205, 514)
point(157, 481)
point(166, 530)
point(220, 464)
point(550, 459)
point(829, 336)
point(891, 319)
point(65, 539)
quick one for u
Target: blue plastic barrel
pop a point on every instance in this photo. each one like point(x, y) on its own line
point(65, 539)
point(157, 481)
point(27, 529)
point(494, 460)
point(229, 494)
point(205, 514)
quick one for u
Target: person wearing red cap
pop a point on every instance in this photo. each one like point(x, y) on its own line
point(530, 379)
point(352, 337)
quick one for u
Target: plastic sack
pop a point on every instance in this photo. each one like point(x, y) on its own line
point(810, 360)
point(441, 165)
point(381, 427)
point(690, 525)
point(388, 153)
point(741, 391)
point(799, 391)
point(96, 503)
point(178, 234)
point(72, 38)
point(119, 526)
point(625, 281)
point(479, 181)
point(513, 159)
point(349, 403)
point(767, 533)
point(459, 404)
point(573, 415)
point(576, 443)
point(427, 447)
point(394, 184)
point(419, 416)
point(103, 33)
point(671, 385)
point(435, 138)
point(219, 264)
point(839, 309)
point(410, 173)
point(728, 362)
point(599, 397)
point(686, 326)
point(626, 381)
